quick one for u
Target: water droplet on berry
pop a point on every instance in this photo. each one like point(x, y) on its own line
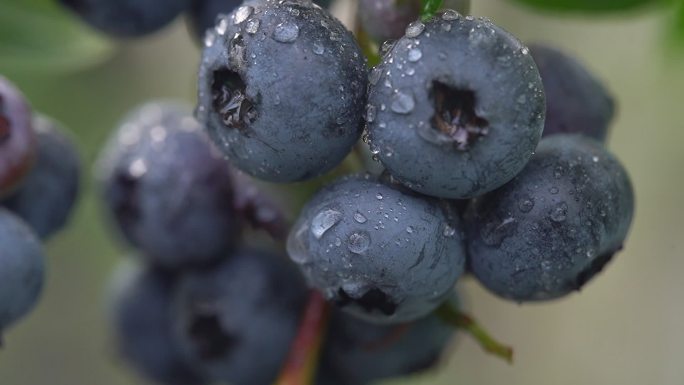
point(559, 212)
point(414, 54)
point(286, 32)
point(222, 26)
point(402, 103)
point(242, 13)
point(359, 218)
point(323, 221)
point(318, 49)
point(450, 14)
point(415, 29)
point(409, 230)
point(252, 26)
point(526, 205)
point(358, 242)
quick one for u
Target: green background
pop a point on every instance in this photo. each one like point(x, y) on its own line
point(624, 328)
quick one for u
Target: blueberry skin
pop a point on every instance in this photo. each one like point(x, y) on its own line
point(140, 317)
point(553, 227)
point(282, 90)
point(50, 190)
point(237, 320)
point(22, 269)
point(127, 18)
point(17, 138)
point(203, 14)
point(576, 101)
point(381, 254)
point(168, 190)
point(387, 19)
point(358, 352)
point(456, 108)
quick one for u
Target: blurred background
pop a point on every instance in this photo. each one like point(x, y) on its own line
point(624, 328)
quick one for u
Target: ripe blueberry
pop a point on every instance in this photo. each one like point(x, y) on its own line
point(127, 18)
point(49, 191)
point(140, 316)
point(456, 108)
point(22, 269)
point(380, 253)
point(17, 139)
point(169, 191)
point(576, 101)
point(553, 227)
point(358, 352)
point(238, 319)
point(282, 89)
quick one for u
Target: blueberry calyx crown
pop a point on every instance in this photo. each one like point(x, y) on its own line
point(206, 331)
point(373, 299)
point(455, 115)
point(230, 99)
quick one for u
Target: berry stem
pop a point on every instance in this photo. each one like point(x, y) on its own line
point(451, 315)
point(429, 8)
point(302, 361)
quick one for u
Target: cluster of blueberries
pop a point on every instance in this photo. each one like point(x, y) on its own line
point(492, 160)
point(39, 184)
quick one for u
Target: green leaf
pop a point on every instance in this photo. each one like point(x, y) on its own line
point(677, 27)
point(39, 36)
point(589, 6)
point(429, 8)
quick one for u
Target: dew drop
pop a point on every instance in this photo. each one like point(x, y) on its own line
point(526, 205)
point(222, 26)
point(286, 32)
point(360, 218)
point(243, 13)
point(450, 14)
point(409, 230)
point(323, 221)
point(402, 103)
point(252, 26)
point(414, 54)
point(358, 242)
point(415, 29)
point(370, 113)
point(318, 49)
point(297, 247)
point(379, 196)
point(559, 212)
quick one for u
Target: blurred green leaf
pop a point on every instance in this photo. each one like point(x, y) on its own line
point(589, 6)
point(429, 8)
point(677, 29)
point(38, 35)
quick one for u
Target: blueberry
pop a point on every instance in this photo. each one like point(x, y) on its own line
point(358, 352)
point(127, 18)
point(168, 189)
point(48, 193)
point(141, 322)
point(380, 253)
point(17, 139)
point(22, 269)
point(238, 319)
point(387, 19)
point(553, 227)
point(576, 101)
point(282, 89)
point(456, 107)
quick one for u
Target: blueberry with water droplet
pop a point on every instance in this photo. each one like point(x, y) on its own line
point(237, 320)
point(527, 243)
point(140, 317)
point(169, 191)
point(48, 193)
point(22, 269)
point(285, 103)
point(452, 128)
point(358, 352)
point(127, 18)
point(388, 270)
point(17, 137)
point(576, 101)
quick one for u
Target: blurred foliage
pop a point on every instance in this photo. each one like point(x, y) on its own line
point(39, 36)
point(589, 6)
